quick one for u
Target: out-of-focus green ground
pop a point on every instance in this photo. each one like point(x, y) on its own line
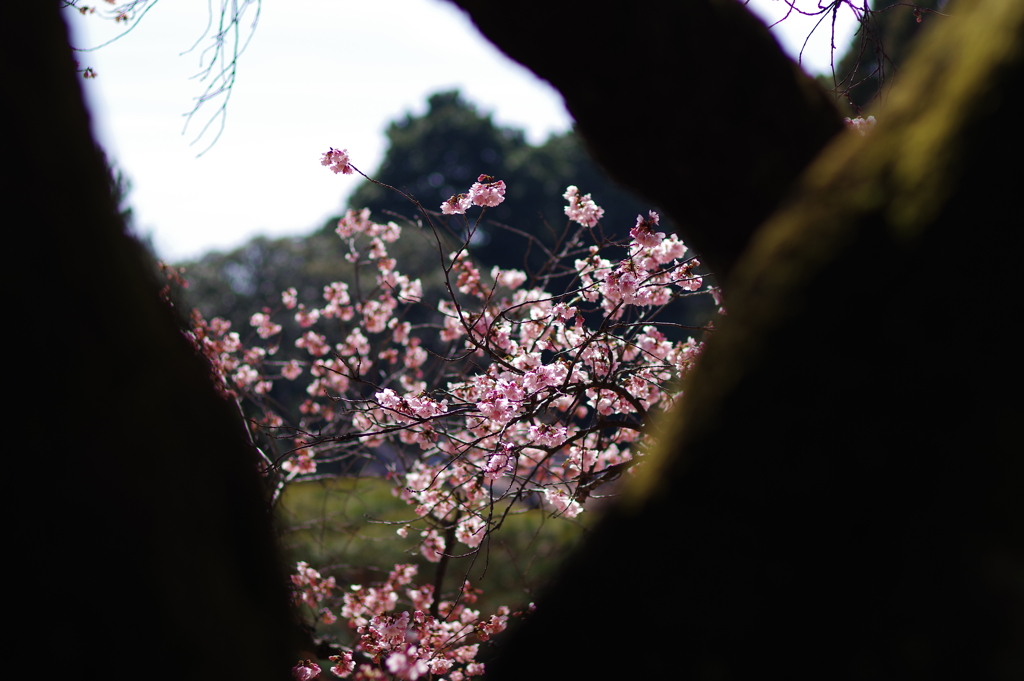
point(346, 528)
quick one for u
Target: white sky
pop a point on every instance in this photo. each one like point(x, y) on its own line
point(317, 73)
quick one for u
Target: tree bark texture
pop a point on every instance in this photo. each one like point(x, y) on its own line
point(148, 540)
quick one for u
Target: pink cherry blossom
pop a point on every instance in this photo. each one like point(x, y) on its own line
point(644, 234)
point(487, 192)
point(562, 503)
point(305, 670)
point(289, 298)
point(432, 547)
point(405, 664)
point(264, 327)
point(291, 370)
point(337, 161)
point(582, 209)
point(457, 205)
point(343, 665)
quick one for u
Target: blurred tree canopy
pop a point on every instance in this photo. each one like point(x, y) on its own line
point(432, 157)
point(441, 153)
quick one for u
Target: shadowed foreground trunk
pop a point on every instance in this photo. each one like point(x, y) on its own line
point(149, 546)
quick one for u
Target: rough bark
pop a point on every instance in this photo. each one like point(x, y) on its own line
point(148, 550)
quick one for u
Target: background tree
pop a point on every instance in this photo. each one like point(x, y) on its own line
point(439, 154)
point(430, 156)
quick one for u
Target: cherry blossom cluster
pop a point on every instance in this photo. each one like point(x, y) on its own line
point(518, 389)
point(582, 209)
point(436, 638)
point(311, 589)
point(336, 160)
point(541, 395)
point(486, 191)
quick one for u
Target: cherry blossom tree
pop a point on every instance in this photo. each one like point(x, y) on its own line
point(512, 396)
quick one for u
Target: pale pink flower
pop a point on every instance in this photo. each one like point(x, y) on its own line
point(544, 376)
point(245, 376)
point(289, 298)
point(291, 370)
point(466, 654)
point(402, 574)
point(404, 664)
point(582, 209)
point(432, 547)
point(562, 502)
point(440, 665)
point(671, 248)
point(422, 598)
point(471, 531)
point(220, 326)
point(456, 205)
point(501, 462)
point(486, 192)
point(302, 464)
point(313, 343)
point(343, 665)
point(410, 289)
point(547, 435)
point(336, 160)
point(415, 356)
point(254, 355)
point(388, 399)
point(512, 279)
point(643, 233)
point(307, 318)
point(264, 327)
point(497, 408)
point(391, 630)
point(354, 222)
point(305, 670)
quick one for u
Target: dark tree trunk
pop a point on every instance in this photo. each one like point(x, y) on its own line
point(149, 552)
